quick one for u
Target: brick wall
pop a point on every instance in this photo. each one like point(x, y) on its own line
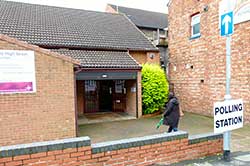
point(164, 148)
point(109, 9)
point(145, 57)
point(131, 102)
point(197, 66)
point(45, 115)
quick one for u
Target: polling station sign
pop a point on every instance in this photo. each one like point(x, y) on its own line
point(228, 115)
point(17, 71)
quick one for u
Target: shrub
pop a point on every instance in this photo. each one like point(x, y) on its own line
point(154, 88)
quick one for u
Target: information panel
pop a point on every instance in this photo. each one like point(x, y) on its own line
point(228, 115)
point(17, 71)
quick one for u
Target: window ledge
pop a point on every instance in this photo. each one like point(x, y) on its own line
point(194, 37)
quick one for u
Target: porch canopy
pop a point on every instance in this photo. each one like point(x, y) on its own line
point(107, 81)
point(103, 65)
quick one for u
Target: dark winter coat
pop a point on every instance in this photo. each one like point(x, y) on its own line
point(171, 114)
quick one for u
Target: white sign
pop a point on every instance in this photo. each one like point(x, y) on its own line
point(228, 115)
point(225, 6)
point(240, 8)
point(17, 71)
point(242, 11)
point(133, 89)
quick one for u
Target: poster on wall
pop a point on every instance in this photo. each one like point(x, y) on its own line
point(17, 71)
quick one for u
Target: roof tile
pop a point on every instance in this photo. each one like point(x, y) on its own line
point(65, 27)
point(38, 49)
point(143, 18)
point(101, 59)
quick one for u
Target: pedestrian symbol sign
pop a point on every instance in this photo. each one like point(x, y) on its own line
point(226, 25)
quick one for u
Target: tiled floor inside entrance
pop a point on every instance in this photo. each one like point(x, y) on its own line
point(99, 117)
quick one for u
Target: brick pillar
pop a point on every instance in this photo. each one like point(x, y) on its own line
point(139, 95)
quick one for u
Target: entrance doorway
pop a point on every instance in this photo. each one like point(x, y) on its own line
point(105, 96)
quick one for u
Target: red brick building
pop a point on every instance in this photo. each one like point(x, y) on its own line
point(47, 114)
point(198, 54)
point(102, 72)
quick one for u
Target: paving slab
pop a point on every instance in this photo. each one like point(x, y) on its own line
point(243, 158)
point(192, 123)
point(237, 159)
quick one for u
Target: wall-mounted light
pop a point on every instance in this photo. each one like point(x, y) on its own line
point(205, 8)
point(151, 56)
point(104, 76)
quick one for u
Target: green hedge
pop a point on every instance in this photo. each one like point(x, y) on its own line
point(154, 88)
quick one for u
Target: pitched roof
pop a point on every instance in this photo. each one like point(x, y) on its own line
point(143, 18)
point(49, 26)
point(38, 49)
point(101, 59)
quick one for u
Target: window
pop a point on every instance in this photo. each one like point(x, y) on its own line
point(90, 85)
point(195, 25)
point(119, 86)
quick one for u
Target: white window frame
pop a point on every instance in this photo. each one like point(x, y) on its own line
point(196, 19)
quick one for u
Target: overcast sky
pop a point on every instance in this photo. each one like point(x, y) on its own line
point(99, 5)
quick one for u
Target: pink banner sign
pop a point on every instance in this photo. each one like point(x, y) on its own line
point(16, 87)
point(17, 71)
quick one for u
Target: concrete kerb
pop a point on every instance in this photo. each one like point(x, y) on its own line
point(203, 137)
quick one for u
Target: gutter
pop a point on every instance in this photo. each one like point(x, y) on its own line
point(86, 48)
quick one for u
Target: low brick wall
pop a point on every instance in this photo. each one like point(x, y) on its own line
point(155, 149)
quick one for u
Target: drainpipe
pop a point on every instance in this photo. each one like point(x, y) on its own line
point(76, 71)
point(137, 94)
